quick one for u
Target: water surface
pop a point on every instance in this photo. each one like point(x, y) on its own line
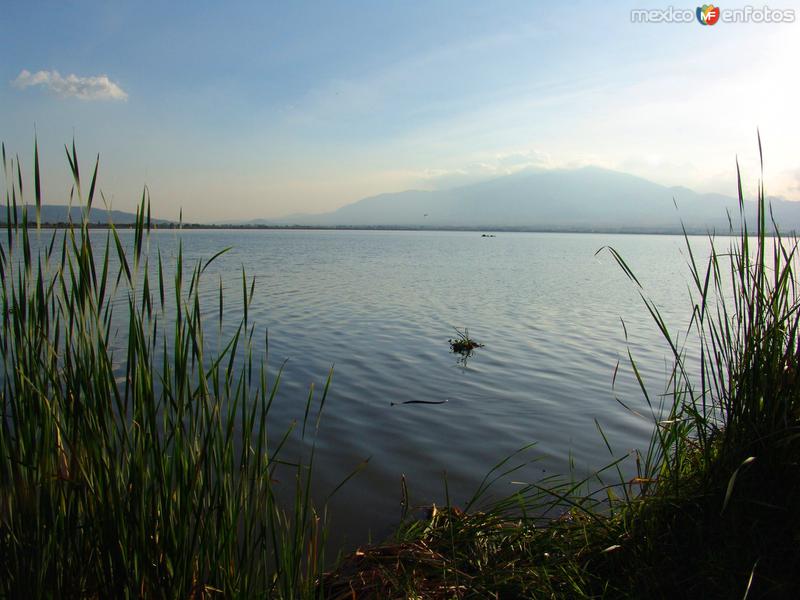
point(380, 308)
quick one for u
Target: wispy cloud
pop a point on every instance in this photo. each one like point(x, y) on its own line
point(96, 87)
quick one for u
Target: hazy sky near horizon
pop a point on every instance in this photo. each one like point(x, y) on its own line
point(238, 110)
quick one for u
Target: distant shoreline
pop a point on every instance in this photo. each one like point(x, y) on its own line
point(492, 229)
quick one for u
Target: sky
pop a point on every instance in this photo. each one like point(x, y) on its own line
point(236, 110)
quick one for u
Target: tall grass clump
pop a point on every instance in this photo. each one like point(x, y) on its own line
point(721, 483)
point(145, 472)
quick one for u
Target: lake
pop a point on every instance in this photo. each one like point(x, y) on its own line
point(380, 307)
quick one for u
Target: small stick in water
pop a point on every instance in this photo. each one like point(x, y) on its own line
point(420, 402)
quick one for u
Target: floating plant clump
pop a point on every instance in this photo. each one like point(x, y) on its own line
point(463, 343)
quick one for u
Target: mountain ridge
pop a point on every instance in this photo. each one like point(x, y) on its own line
point(583, 199)
point(63, 213)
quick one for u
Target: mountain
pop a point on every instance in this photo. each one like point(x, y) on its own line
point(61, 213)
point(585, 199)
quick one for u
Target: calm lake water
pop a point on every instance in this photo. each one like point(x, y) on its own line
point(381, 306)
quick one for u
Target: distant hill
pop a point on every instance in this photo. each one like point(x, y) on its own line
point(585, 199)
point(61, 213)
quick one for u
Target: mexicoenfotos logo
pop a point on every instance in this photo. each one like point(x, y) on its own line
point(708, 14)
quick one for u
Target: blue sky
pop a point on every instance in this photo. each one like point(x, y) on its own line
point(235, 110)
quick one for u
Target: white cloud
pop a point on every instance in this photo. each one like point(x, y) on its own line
point(483, 167)
point(97, 87)
point(509, 162)
point(795, 186)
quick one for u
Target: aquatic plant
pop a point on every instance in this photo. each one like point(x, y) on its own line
point(463, 344)
point(147, 473)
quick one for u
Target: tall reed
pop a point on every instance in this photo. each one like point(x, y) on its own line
point(719, 484)
point(742, 400)
point(143, 475)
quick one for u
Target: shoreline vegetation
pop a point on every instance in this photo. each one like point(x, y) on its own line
point(168, 226)
point(157, 478)
point(106, 218)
